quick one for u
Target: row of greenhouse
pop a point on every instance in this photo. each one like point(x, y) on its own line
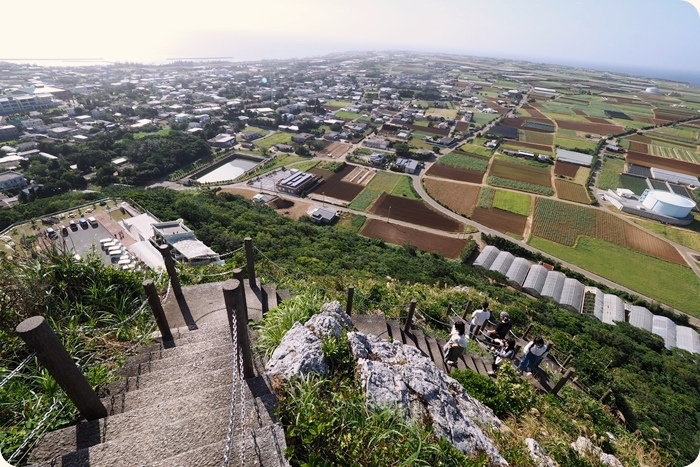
point(539, 281)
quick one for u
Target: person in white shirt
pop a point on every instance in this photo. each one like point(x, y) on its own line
point(535, 351)
point(479, 318)
point(458, 338)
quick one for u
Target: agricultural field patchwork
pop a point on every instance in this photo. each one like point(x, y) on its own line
point(415, 212)
point(457, 197)
point(517, 203)
point(464, 161)
point(609, 177)
point(519, 175)
point(503, 221)
point(453, 173)
point(571, 191)
point(396, 234)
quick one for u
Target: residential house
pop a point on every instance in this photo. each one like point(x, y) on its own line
point(8, 132)
point(11, 180)
point(302, 138)
point(377, 143)
point(297, 182)
point(222, 140)
point(408, 165)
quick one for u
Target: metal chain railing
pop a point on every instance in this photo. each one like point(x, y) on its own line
point(237, 394)
point(18, 369)
point(32, 437)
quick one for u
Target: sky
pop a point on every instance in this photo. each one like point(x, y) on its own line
point(619, 35)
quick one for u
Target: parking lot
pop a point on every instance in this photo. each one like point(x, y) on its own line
point(84, 240)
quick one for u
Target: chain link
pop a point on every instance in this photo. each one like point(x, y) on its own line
point(36, 429)
point(232, 408)
point(18, 369)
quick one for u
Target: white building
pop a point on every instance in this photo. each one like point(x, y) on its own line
point(11, 180)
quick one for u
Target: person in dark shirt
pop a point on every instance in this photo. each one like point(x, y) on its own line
point(500, 332)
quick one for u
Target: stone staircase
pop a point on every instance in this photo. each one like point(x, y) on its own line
point(171, 406)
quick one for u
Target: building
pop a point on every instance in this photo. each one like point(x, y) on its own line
point(553, 285)
point(487, 257)
point(11, 180)
point(673, 177)
point(571, 295)
point(613, 309)
point(534, 282)
point(377, 143)
point(222, 140)
point(377, 159)
point(667, 203)
point(409, 166)
point(687, 339)
point(664, 327)
point(573, 157)
point(60, 132)
point(8, 132)
point(302, 138)
point(24, 103)
point(517, 272)
point(323, 216)
point(297, 182)
point(502, 262)
point(185, 246)
point(641, 318)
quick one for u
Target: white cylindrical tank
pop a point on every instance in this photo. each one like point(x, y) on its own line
point(668, 204)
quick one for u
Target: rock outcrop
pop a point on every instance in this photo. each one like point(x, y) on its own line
point(538, 455)
point(392, 374)
point(586, 448)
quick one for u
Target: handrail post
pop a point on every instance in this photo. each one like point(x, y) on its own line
point(250, 260)
point(157, 309)
point(233, 290)
point(39, 336)
point(605, 396)
point(348, 305)
point(170, 268)
point(409, 319)
point(527, 331)
point(567, 360)
point(238, 275)
point(560, 384)
point(467, 309)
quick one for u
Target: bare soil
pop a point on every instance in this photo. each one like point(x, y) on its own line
point(401, 235)
point(458, 197)
point(414, 212)
point(498, 219)
point(454, 173)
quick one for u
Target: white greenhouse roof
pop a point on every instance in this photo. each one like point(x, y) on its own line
point(641, 318)
point(487, 257)
point(572, 294)
point(664, 327)
point(613, 309)
point(573, 157)
point(535, 279)
point(502, 262)
point(687, 339)
point(517, 272)
point(553, 285)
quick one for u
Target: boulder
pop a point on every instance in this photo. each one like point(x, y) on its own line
point(299, 353)
point(586, 448)
point(538, 455)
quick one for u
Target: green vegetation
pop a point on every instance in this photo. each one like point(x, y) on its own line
point(346, 115)
point(464, 162)
point(670, 283)
point(267, 142)
point(519, 185)
point(609, 177)
point(486, 197)
point(481, 119)
point(513, 202)
point(582, 145)
point(636, 184)
point(384, 182)
point(476, 149)
point(687, 236)
point(365, 199)
point(404, 187)
point(338, 104)
point(143, 134)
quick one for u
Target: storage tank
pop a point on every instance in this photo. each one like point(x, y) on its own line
point(667, 203)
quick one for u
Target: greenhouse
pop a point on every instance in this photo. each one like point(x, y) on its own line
point(502, 262)
point(664, 327)
point(487, 257)
point(553, 285)
point(534, 282)
point(572, 295)
point(517, 272)
point(687, 339)
point(613, 309)
point(641, 318)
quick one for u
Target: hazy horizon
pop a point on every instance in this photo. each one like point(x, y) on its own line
point(651, 37)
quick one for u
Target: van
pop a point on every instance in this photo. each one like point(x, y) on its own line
point(92, 221)
point(115, 251)
point(124, 262)
point(105, 240)
point(107, 245)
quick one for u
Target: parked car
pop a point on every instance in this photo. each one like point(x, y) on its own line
point(73, 226)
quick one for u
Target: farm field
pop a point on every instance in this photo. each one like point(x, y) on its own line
point(669, 283)
point(688, 237)
point(345, 115)
point(593, 128)
point(529, 147)
point(571, 191)
point(503, 221)
point(453, 173)
point(400, 235)
point(384, 182)
point(609, 177)
point(333, 185)
point(481, 118)
point(457, 197)
point(566, 169)
point(521, 172)
point(476, 149)
point(463, 161)
point(267, 142)
point(517, 203)
point(636, 184)
point(446, 113)
point(334, 150)
point(675, 153)
point(415, 212)
point(647, 160)
point(575, 143)
point(536, 137)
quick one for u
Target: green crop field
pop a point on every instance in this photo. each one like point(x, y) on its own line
point(636, 184)
point(365, 199)
point(517, 203)
point(346, 115)
point(669, 283)
point(483, 118)
point(609, 177)
point(404, 188)
point(338, 104)
point(464, 162)
point(575, 143)
point(476, 149)
point(275, 138)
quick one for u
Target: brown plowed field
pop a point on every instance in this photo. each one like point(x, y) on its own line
point(457, 197)
point(401, 235)
point(640, 138)
point(580, 112)
point(334, 150)
point(536, 137)
point(648, 120)
point(537, 147)
point(498, 219)
point(534, 111)
point(598, 120)
point(517, 171)
point(518, 122)
point(333, 185)
point(454, 173)
point(565, 169)
point(571, 191)
point(610, 228)
point(636, 146)
point(651, 245)
point(647, 160)
point(596, 128)
point(462, 126)
point(414, 212)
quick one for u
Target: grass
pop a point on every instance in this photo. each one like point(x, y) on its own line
point(346, 115)
point(143, 134)
point(517, 203)
point(365, 199)
point(476, 149)
point(570, 143)
point(669, 283)
point(338, 104)
point(483, 118)
point(276, 138)
point(636, 184)
point(352, 222)
point(609, 177)
point(384, 182)
point(404, 188)
point(304, 165)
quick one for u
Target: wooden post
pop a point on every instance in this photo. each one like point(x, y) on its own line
point(157, 309)
point(605, 396)
point(449, 310)
point(467, 309)
point(238, 275)
point(170, 267)
point(234, 307)
point(250, 260)
point(348, 305)
point(409, 320)
point(527, 331)
point(560, 384)
point(567, 360)
point(40, 337)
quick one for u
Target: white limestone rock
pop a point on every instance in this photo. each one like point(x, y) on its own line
point(299, 353)
point(538, 455)
point(585, 447)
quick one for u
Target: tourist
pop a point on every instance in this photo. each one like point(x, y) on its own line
point(534, 352)
point(479, 318)
point(457, 343)
point(505, 352)
point(501, 330)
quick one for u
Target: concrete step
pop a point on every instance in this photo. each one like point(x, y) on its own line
point(283, 295)
point(371, 324)
point(147, 365)
point(268, 297)
point(180, 348)
point(262, 447)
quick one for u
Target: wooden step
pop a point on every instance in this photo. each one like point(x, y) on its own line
point(145, 365)
point(416, 338)
point(435, 352)
point(371, 324)
point(469, 361)
point(395, 331)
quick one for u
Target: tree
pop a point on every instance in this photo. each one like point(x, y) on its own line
point(402, 149)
